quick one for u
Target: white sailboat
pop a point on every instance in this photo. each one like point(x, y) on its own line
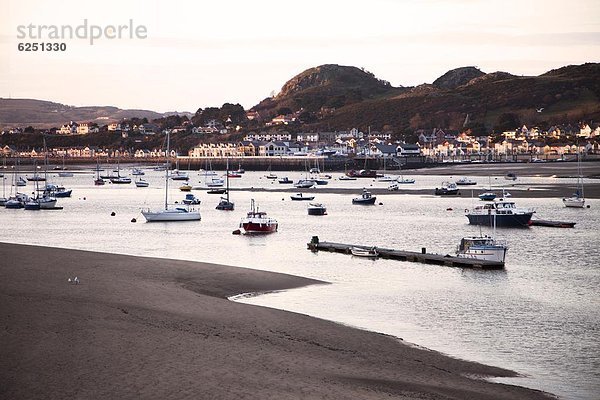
point(577, 199)
point(170, 214)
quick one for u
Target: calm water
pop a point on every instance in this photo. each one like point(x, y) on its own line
point(540, 316)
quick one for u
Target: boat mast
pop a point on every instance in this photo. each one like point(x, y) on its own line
point(167, 172)
point(227, 177)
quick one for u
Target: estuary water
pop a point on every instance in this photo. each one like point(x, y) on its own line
point(540, 316)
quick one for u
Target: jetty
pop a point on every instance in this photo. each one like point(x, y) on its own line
point(423, 257)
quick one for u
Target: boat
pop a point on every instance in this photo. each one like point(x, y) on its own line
point(240, 170)
point(447, 189)
point(214, 182)
point(257, 221)
point(301, 196)
point(347, 178)
point(314, 170)
point(364, 252)
point(177, 175)
point(286, 181)
point(141, 183)
point(65, 174)
point(393, 187)
point(16, 201)
point(271, 176)
point(464, 181)
point(487, 196)
point(137, 172)
point(386, 178)
point(191, 199)
point(482, 248)
point(304, 184)
point(32, 204)
point(225, 204)
point(217, 191)
point(21, 182)
point(404, 181)
point(501, 213)
point(170, 214)
point(120, 180)
point(234, 174)
point(363, 173)
point(57, 191)
point(36, 178)
point(365, 198)
point(577, 199)
point(98, 181)
point(319, 181)
point(511, 176)
point(316, 209)
point(185, 187)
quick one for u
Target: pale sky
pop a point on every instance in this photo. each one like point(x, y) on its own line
point(200, 54)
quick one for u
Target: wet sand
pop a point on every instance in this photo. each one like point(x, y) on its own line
point(150, 328)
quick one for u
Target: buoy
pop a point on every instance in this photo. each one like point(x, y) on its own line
point(112, 214)
point(380, 204)
point(133, 220)
point(449, 209)
point(282, 199)
point(237, 232)
point(588, 206)
point(84, 198)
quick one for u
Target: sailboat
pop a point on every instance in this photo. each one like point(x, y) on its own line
point(120, 180)
point(3, 198)
point(577, 199)
point(170, 214)
point(225, 204)
point(63, 173)
point(98, 181)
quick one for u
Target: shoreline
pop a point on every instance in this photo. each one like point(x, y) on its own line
point(156, 328)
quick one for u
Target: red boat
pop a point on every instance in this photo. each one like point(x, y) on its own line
point(257, 221)
point(234, 175)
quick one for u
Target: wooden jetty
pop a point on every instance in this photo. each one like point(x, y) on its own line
point(552, 224)
point(401, 255)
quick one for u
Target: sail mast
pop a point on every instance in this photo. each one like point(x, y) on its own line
point(167, 172)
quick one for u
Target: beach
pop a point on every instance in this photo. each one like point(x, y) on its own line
point(137, 327)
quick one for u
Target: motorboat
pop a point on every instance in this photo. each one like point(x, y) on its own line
point(214, 182)
point(271, 176)
point(286, 181)
point(316, 209)
point(217, 191)
point(365, 198)
point(304, 183)
point(32, 204)
point(447, 189)
point(177, 175)
point(511, 176)
point(170, 214)
point(191, 199)
point(21, 181)
point(257, 221)
point(482, 248)
point(301, 196)
point(501, 213)
point(120, 180)
point(185, 187)
point(386, 178)
point(234, 174)
point(57, 191)
point(314, 170)
point(141, 183)
point(16, 201)
point(404, 181)
point(137, 172)
point(319, 181)
point(347, 178)
point(487, 196)
point(393, 187)
point(370, 252)
point(464, 181)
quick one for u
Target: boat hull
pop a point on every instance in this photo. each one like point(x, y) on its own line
point(446, 192)
point(317, 211)
point(253, 227)
point(171, 215)
point(574, 202)
point(504, 220)
point(364, 201)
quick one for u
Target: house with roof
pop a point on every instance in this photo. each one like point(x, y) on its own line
point(384, 150)
point(69, 129)
point(273, 148)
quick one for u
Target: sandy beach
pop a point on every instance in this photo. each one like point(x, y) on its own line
point(138, 327)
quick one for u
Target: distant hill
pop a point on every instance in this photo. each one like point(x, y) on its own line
point(462, 97)
point(46, 114)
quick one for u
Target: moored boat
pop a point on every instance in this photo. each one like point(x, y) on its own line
point(505, 213)
point(191, 199)
point(447, 189)
point(482, 248)
point(364, 252)
point(365, 198)
point(316, 209)
point(257, 221)
point(464, 181)
point(304, 183)
point(301, 196)
point(286, 181)
point(487, 196)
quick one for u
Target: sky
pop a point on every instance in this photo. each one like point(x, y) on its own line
point(200, 53)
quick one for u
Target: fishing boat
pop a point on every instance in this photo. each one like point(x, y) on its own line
point(482, 248)
point(301, 196)
point(501, 213)
point(170, 214)
point(365, 198)
point(464, 181)
point(362, 252)
point(577, 199)
point(316, 209)
point(286, 181)
point(447, 189)
point(257, 221)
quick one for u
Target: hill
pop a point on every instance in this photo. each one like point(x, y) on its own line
point(463, 97)
point(46, 114)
